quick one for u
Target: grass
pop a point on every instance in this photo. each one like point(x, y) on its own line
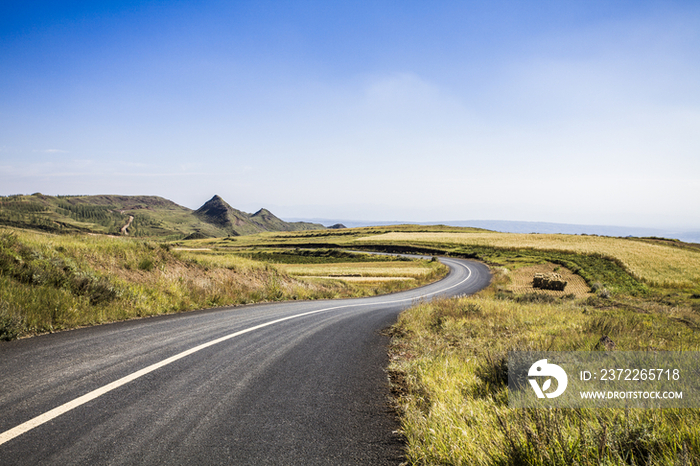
point(400, 269)
point(447, 356)
point(655, 264)
point(621, 265)
point(357, 274)
point(449, 374)
point(314, 256)
point(153, 217)
point(55, 282)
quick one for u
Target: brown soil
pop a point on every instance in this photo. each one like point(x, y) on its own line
point(125, 228)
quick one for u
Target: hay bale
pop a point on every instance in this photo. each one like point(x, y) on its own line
point(549, 281)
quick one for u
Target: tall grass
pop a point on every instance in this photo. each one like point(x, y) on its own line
point(55, 282)
point(449, 374)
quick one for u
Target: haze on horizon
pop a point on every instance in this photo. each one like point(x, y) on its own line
point(549, 111)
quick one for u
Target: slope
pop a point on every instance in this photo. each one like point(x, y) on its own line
point(153, 216)
point(235, 222)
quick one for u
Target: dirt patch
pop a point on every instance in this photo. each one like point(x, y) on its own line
point(521, 281)
point(125, 229)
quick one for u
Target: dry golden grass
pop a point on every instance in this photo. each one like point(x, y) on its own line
point(360, 279)
point(54, 282)
point(447, 373)
point(521, 281)
point(345, 270)
point(655, 264)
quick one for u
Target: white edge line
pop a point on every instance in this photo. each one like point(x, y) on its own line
point(64, 408)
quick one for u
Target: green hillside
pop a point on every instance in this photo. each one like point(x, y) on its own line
point(141, 216)
point(219, 214)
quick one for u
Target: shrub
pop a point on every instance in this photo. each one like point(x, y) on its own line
point(493, 371)
point(535, 298)
point(10, 325)
point(146, 264)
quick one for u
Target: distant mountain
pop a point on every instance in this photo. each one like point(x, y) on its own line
point(217, 212)
point(144, 216)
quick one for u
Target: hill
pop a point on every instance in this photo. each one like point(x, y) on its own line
point(218, 213)
point(143, 216)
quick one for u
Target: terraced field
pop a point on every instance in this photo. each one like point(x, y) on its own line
point(363, 271)
point(660, 265)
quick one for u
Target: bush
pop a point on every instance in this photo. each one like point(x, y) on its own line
point(535, 298)
point(493, 371)
point(146, 264)
point(10, 326)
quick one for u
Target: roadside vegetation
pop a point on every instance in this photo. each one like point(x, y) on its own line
point(51, 282)
point(448, 357)
point(449, 366)
point(656, 264)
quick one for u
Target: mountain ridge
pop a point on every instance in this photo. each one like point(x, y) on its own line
point(153, 216)
point(218, 212)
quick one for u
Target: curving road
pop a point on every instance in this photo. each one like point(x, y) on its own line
point(285, 383)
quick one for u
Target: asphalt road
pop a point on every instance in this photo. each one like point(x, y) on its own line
point(294, 383)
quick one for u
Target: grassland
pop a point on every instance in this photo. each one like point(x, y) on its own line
point(449, 357)
point(625, 265)
point(658, 265)
point(359, 274)
point(387, 269)
point(448, 363)
point(51, 282)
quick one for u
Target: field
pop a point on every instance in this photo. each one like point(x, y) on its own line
point(449, 360)
point(366, 274)
point(448, 357)
point(659, 265)
point(399, 270)
point(521, 281)
point(53, 282)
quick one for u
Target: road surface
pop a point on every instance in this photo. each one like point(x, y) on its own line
point(283, 383)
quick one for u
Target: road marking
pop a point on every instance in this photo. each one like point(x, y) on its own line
point(54, 413)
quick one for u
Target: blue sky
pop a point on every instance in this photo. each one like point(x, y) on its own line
point(562, 111)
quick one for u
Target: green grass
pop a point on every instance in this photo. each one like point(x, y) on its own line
point(154, 217)
point(449, 373)
point(313, 256)
point(52, 282)
point(55, 282)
